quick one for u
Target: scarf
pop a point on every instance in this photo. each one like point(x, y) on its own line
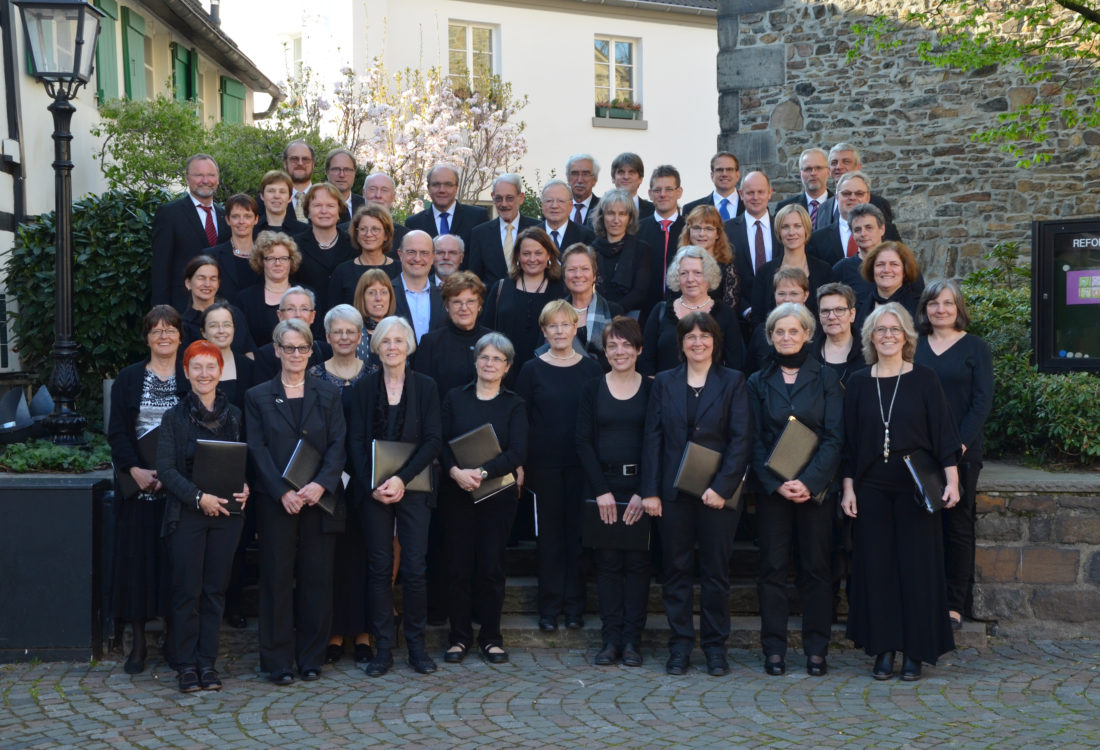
point(213, 419)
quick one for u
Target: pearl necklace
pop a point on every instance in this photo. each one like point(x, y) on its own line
point(291, 385)
point(571, 354)
point(686, 306)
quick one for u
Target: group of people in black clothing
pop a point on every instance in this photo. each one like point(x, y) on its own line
point(593, 412)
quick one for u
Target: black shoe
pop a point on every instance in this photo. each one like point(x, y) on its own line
point(816, 666)
point(363, 653)
point(311, 674)
point(775, 666)
point(333, 652)
point(240, 622)
point(455, 653)
point(607, 656)
point(632, 657)
point(135, 662)
point(910, 669)
point(421, 662)
point(574, 622)
point(678, 662)
point(499, 656)
point(210, 680)
point(717, 664)
point(380, 664)
point(548, 624)
point(956, 625)
point(189, 681)
point(281, 678)
point(884, 666)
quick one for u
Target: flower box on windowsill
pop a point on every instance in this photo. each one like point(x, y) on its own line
point(618, 113)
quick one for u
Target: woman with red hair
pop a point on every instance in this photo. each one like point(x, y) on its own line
point(201, 531)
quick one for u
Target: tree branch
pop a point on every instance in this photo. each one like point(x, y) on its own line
point(1089, 14)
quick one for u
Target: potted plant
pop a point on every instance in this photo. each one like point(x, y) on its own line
point(602, 107)
point(625, 109)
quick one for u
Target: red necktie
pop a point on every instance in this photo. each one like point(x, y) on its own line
point(761, 258)
point(211, 230)
point(851, 249)
point(665, 224)
point(577, 213)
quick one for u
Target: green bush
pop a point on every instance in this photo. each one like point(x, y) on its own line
point(111, 269)
point(44, 456)
point(1041, 417)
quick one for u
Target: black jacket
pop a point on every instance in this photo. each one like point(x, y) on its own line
point(125, 404)
point(178, 236)
point(485, 251)
point(462, 223)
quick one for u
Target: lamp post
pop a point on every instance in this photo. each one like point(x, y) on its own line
point(61, 36)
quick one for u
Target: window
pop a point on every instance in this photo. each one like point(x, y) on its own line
point(150, 80)
point(185, 73)
point(134, 57)
point(106, 52)
point(232, 100)
point(470, 56)
point(615, 66)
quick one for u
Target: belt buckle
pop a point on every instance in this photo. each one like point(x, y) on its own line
point(630, 470)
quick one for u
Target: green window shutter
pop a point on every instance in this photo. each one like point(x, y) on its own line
point(194, 75)
point(133, 54)
point(181, 72)
point(232, 100)
point(106, 53)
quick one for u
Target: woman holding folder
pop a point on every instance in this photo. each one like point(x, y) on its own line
point(393, 408)
point(699, 404)
point(293, 415)
point(477, 531)
point(202, 528)
point(610, 423)
point(794, 386)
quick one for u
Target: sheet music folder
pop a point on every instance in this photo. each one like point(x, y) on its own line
point(302, 467)
point(697, 469)
point(219, 469)
point(473, 450)
point(387, 458)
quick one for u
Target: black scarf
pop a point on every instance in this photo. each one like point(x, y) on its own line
point(210, 419)
point(791, 360)
point(382, 410)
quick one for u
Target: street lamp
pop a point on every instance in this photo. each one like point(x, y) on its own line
point(61, 36)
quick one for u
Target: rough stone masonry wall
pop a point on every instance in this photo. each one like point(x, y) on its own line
point(785, 85)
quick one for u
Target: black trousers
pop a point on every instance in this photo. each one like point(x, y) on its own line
point(296, 561)
point(958, 540)
point(234, 592)
point(412, 517)
point(560, 505)
point(349, 581)
point(777, 520)
point(202, 551)
point(685, 523)
point(622, 584)
point(436, 559)
point(476, 538)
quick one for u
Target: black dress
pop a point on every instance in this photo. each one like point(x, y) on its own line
point(345, 277)
point(624, 270)
point(609, 434)
point(662, 349)
point(515, 313)
point(898, 595)
point(260, 317)
point(318, 264)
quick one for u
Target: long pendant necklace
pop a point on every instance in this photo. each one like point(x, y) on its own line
point(886, 417)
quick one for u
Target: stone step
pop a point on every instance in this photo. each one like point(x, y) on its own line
point(522, 560)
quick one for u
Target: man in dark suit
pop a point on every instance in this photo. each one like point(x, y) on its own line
point(661, 231)
point(813, 171)
point(379, 187)
point(627, 171)
point(557, 202)
point(298, 160)
point(300, 303)
point(417, 299)
point(725, 173)
point(752, 236)
point(844, 158)
point(340, 171)
point(489, 254)
point(835, 241)
point(582, 171)
point(185, 228)
point(868, 226)
point(446, 215)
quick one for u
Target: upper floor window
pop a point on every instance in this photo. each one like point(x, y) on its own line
point(616, 63)
point(469, 56)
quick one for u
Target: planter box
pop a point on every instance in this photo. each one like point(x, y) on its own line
point(51, 555)
point(602, 111)
point(616, 113)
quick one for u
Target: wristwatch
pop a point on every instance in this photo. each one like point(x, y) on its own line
point(198, 499)
point(484, 474)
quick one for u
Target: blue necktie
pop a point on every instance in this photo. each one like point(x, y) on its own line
point(444, 225)
point(724, 209)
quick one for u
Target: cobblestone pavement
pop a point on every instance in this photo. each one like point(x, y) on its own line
point(1018, 694)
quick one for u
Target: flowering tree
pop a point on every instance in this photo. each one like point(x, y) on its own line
point(304, 106)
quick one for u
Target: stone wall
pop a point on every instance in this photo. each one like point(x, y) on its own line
point(785, 85)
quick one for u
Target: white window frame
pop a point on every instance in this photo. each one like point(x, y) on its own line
point(611, 65)
point(494, 49)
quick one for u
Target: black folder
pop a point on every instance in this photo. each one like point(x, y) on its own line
point(618, 535)
point(302, 467)
point(793, 450)
point(476, 448)
point(387, 458)
point(219, 469)
point(147, 452)
point(928, 477)
point(697, 469)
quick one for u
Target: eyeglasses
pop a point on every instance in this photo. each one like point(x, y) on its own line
point(369, 230)
point(344, 334)
point(663, 190)
point(892, 331)
point(703, 228)
point(854, 193)
point(277, 260)
point(815, 169)
point(417, 253)
point(560, 326)
point(464, 304)
point(833, 312)
point(296, 310)
point(580, 173)
point(303, 349)
point(226, 326)
point(341, 170)
point(491, 359)
point(164, 332)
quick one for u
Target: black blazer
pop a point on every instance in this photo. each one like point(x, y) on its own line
point(723, 422)
point(573, 233)
point(421, 426)
point(462, 223)
point(817, 400)
point(649, 232)
point(823, 218)
point(178, 236)
point(744, 256)
point(708, 200)
point(317, 265)
point(830, 210)
point(125, 405)
point(591, 209)
point(485, 251)
point(628, 284)
point(437, 316)
point(825, 242)
point(763, 291)
point(273, 434)
point(235, 273)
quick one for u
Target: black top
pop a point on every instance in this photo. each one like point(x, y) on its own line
point(236, 274)
point(624, 271)
point(920, 419)
point(463, 411)
point(729, 288)
point(290, 224)
point(317, 266)
point(844, 370)
point(242, 335)
point(515, 313)
point(345, 277)
point(446, 355)
point(908, 295)
point(609, 431)
point(763, 289)
point(662, 350)
point(235, 389)
point(552, 394)
point(260, 317)
point(847, 272)
point(965, 371)
point(758, 352)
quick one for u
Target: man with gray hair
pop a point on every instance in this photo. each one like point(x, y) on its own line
point(557, 202)
point(300, 303)
point(844, 158)
point(446, 215)
point(491, 243)
point(582, 171)
point(835, 241)
point(813, 171)
point(449, 253)
point(380, 188)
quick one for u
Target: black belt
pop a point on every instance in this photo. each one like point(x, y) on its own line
point(620, 470)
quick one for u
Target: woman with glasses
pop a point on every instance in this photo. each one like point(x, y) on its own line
point(838, 349)
point(891, 409)
point(234, 257)
point(202, 278)
point(323, 246)
point(703, 228)
point(793, 226)
point(790, 285)
point(478, 532)
point(580, 270)
point(297, 532)
point(275, 258)
point(371, 233)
